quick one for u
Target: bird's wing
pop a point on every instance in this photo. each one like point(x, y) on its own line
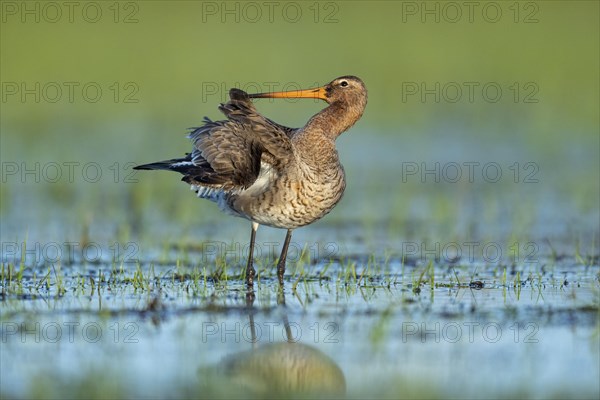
point(227, 154)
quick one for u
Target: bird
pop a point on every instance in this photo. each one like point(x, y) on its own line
point(287, 369)
point(267, 173)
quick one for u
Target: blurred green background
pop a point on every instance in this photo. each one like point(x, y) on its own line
point(162, 66)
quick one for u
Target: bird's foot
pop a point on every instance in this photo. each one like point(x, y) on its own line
point(250, 274)
point(280, 273)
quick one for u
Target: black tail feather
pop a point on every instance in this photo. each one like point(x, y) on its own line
point(202, 175)
point(176, 164)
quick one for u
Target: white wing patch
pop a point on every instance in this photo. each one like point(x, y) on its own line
point(264, 180)
point(203, 192)
point(183, 164)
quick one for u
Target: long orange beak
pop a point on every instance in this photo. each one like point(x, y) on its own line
point(316, 93)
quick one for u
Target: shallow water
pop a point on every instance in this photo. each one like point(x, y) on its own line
point(424, 330)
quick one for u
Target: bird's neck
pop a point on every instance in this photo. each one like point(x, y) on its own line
point(332, 121)
point(316, 141)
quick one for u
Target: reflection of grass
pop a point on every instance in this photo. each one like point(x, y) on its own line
point(380, 330)
point(92, 385)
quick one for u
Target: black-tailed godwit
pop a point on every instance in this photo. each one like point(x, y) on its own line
point(270, 174)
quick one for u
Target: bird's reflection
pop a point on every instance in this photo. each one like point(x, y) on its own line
point(285, 368)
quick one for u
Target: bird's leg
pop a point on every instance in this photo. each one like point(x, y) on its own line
point(283, 256)
point(286, 322)
point(250, 296)
point(250, 271)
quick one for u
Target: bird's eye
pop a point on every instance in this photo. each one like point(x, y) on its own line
point(344, 83)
